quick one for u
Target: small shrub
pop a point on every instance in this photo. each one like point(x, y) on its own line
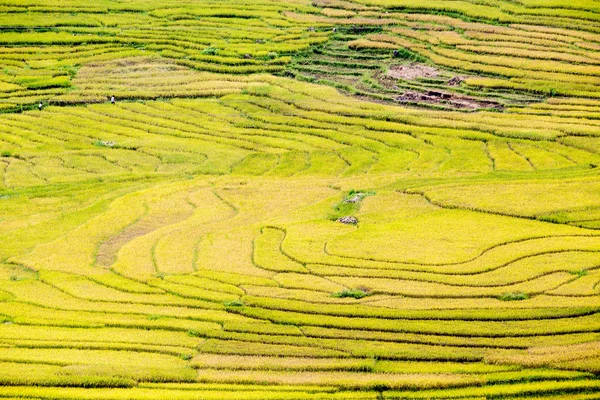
point(514, 296)
point(210, 51)
point(356, 196)
point(104, 143)
point(193, 333)
point(69, 70)
point(234, 303)
point(354, 293)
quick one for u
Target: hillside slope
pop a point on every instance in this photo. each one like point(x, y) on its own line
point(362, 199)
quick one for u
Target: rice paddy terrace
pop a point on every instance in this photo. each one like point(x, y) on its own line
point(366, 199)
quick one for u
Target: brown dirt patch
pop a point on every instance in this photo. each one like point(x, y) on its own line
point(444, 98)
point(412, 71)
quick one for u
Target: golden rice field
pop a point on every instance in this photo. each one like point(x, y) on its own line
point(327, 199)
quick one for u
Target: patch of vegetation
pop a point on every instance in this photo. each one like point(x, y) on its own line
point(350, 205)
point(408, 55)
point(516, 296)
point(353, 293)
point(580, 273)
point(234, 303)
point(210, 51)
point(193, 333)
point(104, 143)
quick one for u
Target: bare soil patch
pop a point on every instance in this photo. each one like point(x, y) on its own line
point(412, 71)
point(449, 99)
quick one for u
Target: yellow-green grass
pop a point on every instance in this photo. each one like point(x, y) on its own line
point(372, 307)
point(267, 252)
point(443, 231)
point(204, 361)
point(345, 380)
point(579, 356)
point(526, 267)
point(211, 392)
point(108, 33)
point(89, 357)
point(177, 244)
point(235, 347)
point(546, 196)
point(457, 328)
point(527, 390)
point(15, 374)
point(155, 337)
point(472, 39)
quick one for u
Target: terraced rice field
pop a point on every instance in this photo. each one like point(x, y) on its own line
point(363, 199)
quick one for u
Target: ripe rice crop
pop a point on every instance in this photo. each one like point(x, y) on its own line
point(176, 180)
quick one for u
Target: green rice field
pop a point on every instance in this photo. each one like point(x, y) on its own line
point(289, 200)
